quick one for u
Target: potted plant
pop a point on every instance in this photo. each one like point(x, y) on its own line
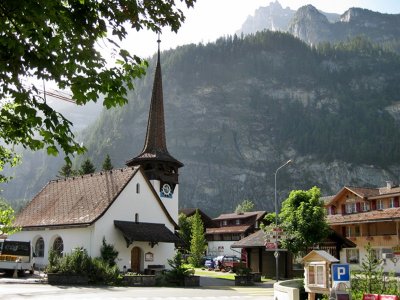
point(243, 276)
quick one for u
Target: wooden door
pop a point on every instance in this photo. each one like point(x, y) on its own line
point(135, 259)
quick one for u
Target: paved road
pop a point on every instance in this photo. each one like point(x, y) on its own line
point(211, 289)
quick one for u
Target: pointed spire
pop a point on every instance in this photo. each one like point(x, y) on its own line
point(155, 146)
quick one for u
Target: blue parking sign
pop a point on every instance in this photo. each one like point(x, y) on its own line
point(341, 272)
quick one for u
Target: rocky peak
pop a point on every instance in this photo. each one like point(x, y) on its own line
point(310, 13)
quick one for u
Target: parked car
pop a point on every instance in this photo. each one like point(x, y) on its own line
point(227, 262)
point(209, 262)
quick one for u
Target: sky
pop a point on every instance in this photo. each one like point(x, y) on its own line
point(211, 19)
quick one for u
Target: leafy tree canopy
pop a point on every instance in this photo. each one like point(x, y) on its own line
point(7, 216)
point(245, 206)
point(303, 220)
point(185, 229)
point(56, 40)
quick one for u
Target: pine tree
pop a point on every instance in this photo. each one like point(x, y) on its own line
point(107, 165)
point(198, 242)
point(87, 167)
point(66, 171)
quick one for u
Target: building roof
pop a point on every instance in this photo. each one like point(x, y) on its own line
point(388, 214)
point(145, 232)
point(228, 229)
point(320, 254)
point(257, 239)
point(365, 193)
point(155, 146)
point(78, 201)
point(230, 216)
point(207, 221)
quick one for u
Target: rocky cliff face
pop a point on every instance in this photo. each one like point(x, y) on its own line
point(272, 17)
point(237, 109)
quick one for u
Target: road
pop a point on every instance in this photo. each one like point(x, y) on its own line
point(210, 289)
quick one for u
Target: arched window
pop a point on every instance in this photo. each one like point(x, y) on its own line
point(137, 218)
point(137, 188)
point(58, 246)
point(39, 247)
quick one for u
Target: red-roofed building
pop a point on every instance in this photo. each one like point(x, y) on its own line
point(230, 228)
point(367, 216)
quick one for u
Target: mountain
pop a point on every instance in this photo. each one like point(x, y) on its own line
point(274, 17)
point(311, 26)
point(238, 108)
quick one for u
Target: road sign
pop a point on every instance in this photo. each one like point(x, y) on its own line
point(341, 272)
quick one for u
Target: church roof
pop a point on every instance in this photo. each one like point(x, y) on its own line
point(155, 147)
point(77, 201)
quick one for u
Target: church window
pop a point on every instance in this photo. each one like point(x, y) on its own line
point(136, 218)
point(137, 188)
point(39, 247)
point(58, 246)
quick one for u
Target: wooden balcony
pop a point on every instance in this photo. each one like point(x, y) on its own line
point(376, 240)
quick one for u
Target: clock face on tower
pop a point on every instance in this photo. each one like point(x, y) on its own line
point(166, 190)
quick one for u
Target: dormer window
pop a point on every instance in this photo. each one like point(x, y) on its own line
point(391, 203)
point(224, 223)
point(237, 222)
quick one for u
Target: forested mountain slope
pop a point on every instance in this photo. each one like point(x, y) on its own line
point(238, 108)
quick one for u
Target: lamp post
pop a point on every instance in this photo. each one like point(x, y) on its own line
point(276, 254)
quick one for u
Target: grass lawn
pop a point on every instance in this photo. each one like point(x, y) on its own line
point(221, 275)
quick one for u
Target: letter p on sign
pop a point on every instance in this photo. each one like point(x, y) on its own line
point(341, 272)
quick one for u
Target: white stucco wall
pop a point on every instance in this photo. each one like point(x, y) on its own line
point(215, 248)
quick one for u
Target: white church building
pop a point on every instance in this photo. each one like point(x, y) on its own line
point(134, 208)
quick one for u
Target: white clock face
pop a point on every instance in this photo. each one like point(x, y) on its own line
point(166, 190)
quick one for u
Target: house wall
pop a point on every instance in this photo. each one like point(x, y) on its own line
point(72, 238)
point(222, 248)
point(128, 204)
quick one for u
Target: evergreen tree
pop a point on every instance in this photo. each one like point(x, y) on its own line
point(87, 167)
point(185, 229)
point(108, 253)
point(66, 171)
point(198, 242)
point(107, 165)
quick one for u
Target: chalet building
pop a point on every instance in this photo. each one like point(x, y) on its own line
point(207, 221)
point(231, 228)
point(134, 208)
point(367, 216)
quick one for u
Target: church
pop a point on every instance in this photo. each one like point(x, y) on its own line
point(133, 208)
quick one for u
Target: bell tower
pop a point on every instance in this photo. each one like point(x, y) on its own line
point(160, 167)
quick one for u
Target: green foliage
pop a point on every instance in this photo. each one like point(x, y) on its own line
point(57, 41)
point(7, 217)
point(371, 278)
point(108, 253)
point(268, 219)
point(107, 165)
point(179, 270)
point(185, 229)
point(78, 262)
point(87, 167)
point(303, 220)
point(245, 206)
point(67, 171)
point(198, 242)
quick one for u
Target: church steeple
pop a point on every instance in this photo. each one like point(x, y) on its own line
point(158, 164)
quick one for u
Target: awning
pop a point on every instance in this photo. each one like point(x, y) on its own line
point(146, 232)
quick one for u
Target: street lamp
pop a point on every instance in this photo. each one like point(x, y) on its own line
point(276, 254)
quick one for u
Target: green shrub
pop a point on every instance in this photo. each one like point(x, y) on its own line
point(179, 270)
